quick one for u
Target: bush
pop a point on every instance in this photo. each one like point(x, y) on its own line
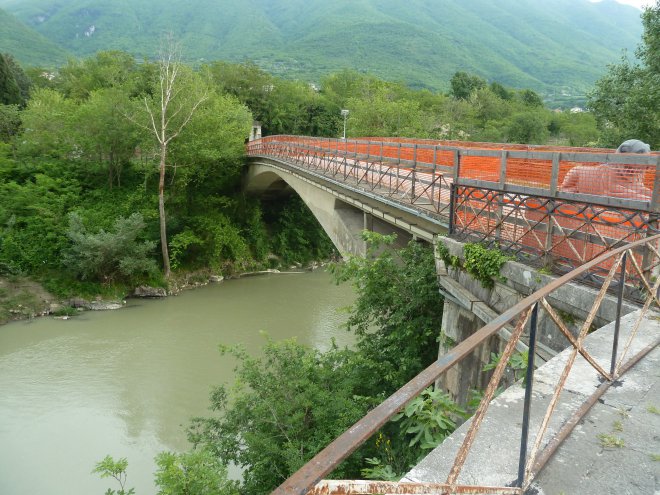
point(108, 256)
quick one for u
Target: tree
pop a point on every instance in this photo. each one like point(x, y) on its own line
point(528, 127)
point(10, 122)
point(384, 113)
point(22, 80)
point(398, 312)
point(171, 108)
point(626, 101)
point(102, 132)
point(283, 409)
point(530, 98)
point(463, 84)
point(107, 256)
point(10, 93)
point(47, 125)
point(197, 472)
point(109, 468)
point(107, 69)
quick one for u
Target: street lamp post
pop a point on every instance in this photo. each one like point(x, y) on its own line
point(344, 114)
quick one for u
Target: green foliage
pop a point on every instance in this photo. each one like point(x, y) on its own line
point(529, 127)
point(421, 44)
point(180, 244)
point(379, 470)
point(429, 418)
point(284, 407)
point(517, 364)
point(464, 84)
point(626, 101)
point(484, 264)
point(10, 94)
point(450, 260)
point(197, 472)
point(398, 311)
point(109, 468)
point(10, 122)
point(107, 256)
point(33, 220)
point(26, 44)
point(297, 237)
point(609, 441)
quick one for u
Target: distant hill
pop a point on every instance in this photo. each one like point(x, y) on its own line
point(547, 45)
point(28, 46)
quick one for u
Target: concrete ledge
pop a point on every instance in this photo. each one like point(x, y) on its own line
point(493, 459)
point(521, 281)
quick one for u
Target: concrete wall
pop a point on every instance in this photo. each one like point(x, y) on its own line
point(468, 306)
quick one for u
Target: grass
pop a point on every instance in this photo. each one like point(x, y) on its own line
point(609, 441)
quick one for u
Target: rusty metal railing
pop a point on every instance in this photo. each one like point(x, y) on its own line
point(502, 194)
point(308, 480)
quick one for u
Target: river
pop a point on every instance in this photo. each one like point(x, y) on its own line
point(126, 382)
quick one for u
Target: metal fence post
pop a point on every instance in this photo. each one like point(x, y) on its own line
point(500, 196)
point(452, 203)
point(529, 381)
point(617, 323)
point(414, 173)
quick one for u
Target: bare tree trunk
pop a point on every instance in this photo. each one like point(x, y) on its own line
point(161, 211)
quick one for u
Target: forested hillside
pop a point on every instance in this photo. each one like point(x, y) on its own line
point(27, 45)
point(549, 46)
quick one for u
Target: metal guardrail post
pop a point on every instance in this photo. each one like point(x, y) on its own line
point(550, 207)
point(435, 168)
point(654, 216)
point(529, 382)
point(500, 196)
point(414, 173)
point(452, 202)
point(617, 323)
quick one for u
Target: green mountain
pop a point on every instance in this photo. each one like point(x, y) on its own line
point(547, 45)
point(27, 45)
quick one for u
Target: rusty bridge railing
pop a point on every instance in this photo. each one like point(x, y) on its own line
point(525, 315)
point(501, 194)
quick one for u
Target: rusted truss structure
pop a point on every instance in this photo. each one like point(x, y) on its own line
point(525, 314)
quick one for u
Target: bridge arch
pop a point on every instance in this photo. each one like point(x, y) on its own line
point(343, 213)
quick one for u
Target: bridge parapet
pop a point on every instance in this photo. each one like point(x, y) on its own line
point(507, 196)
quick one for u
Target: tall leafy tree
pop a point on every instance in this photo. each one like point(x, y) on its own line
point(626, 101)
point(103, 133)
point(178, 95)
point(283, 409)
point(398, 312)
point(10, 93)
point(464, 84)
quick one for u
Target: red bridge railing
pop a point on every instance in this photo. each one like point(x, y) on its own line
point(506, 195)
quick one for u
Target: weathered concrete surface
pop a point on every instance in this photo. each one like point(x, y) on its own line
point(583, 464)
point(340, 208)
point(572, 301)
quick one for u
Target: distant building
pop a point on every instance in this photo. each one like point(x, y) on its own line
point(577, 110)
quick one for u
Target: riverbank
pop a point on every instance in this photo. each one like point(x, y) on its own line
point(22, 298)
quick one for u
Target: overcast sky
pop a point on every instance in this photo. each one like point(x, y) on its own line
point(636, 3)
